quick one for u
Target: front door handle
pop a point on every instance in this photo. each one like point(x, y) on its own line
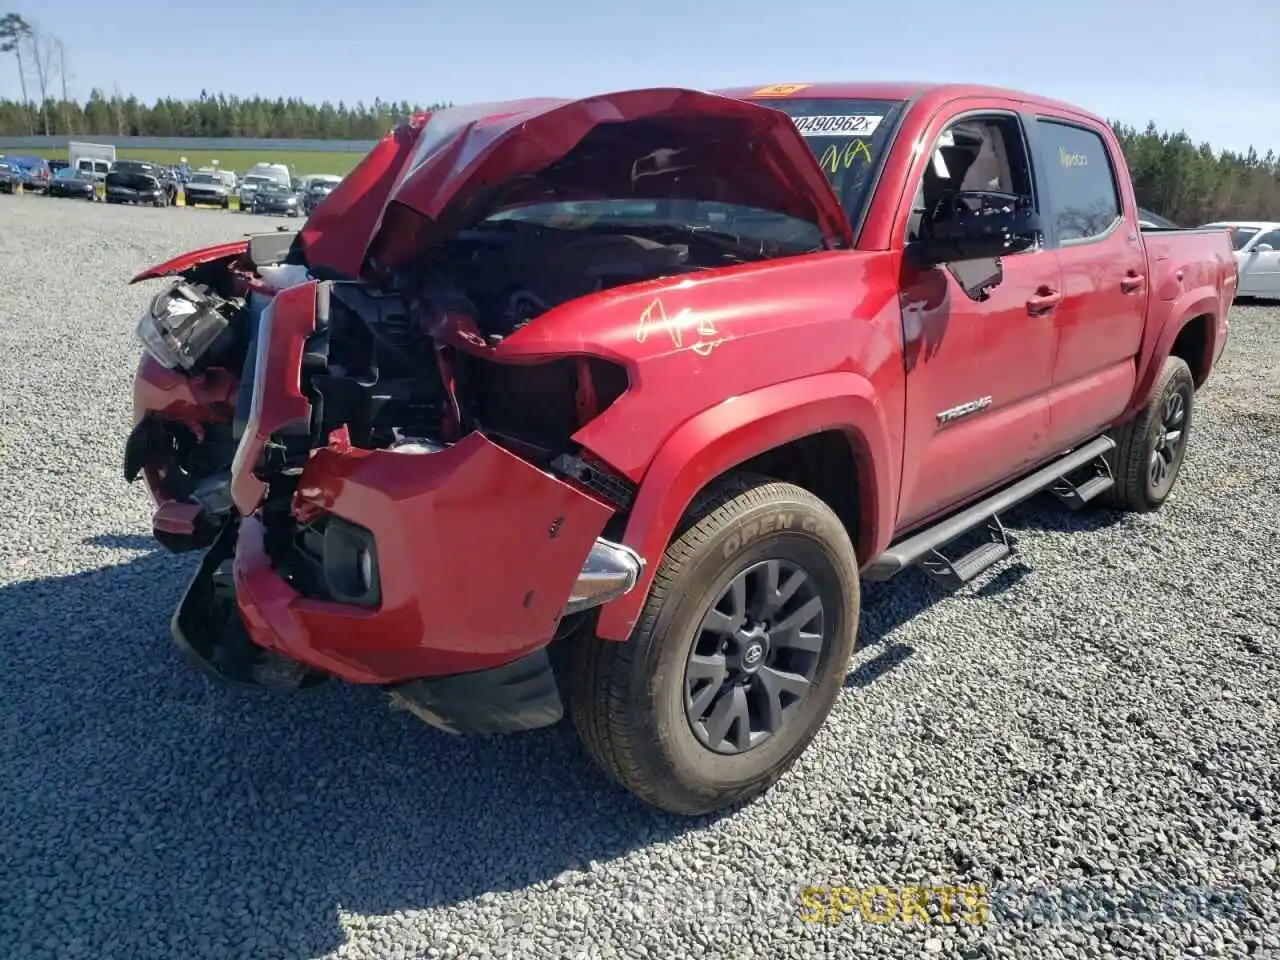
point(1043, 302)
point(1133, 282)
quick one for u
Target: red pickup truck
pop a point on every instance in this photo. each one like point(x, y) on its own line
point(611, 403)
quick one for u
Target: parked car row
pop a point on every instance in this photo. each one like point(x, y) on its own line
point(265, 188)
point(31, 173)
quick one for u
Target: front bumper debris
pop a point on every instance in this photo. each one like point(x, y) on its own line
point(190, 506)
point(521, 695)
point(208, 629)
point(218, 626)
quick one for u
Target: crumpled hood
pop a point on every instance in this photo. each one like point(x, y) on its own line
point(444, 171)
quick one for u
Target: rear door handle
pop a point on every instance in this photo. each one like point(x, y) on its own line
point(1043, 302)
point(1133, 282)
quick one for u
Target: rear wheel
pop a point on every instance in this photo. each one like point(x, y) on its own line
point(738, 655)
point(1150, 448)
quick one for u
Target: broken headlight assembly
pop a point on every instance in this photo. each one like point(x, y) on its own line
point(182, 326)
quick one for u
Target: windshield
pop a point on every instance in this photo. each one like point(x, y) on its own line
point(746, 227)
point(66, 173)
point(256, 181)
point(850, 139)
point(270, 186)
point(204, 178)
point(135, 181)
point(1241, 236)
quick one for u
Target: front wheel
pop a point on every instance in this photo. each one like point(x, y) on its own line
point(738, 655)
point(1150, 448)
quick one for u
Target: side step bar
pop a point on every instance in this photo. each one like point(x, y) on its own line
point(1078, 488)
point(923, 549)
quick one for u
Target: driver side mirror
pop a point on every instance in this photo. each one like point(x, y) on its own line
point(1263, 248)
point(975, 225)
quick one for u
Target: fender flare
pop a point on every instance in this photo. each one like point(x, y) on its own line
point(1202, 301)
point(724, 436)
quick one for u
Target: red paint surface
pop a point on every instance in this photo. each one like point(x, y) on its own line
point(723, 365)
point(191, 401)
point(471, 574)
point(195, 258)
point(277, 392)
point(337, 232)
point(207, 398)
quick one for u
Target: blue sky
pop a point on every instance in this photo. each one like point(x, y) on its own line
point(1208, 68)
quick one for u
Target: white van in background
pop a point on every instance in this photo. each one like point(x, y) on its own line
point(91, 159)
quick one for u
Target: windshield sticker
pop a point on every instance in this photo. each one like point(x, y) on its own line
point(781, 89)
point(847, 126)
point(1072, 159)
point(837, 158)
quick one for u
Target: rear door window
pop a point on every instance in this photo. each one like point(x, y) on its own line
point(1083, 192)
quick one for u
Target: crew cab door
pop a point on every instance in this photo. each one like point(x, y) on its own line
point(1093, 225)
point(978, 372)
point(1260, 266)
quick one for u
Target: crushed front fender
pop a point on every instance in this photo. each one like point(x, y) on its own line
point(477, 555)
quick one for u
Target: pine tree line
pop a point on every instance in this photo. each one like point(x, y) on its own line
point(209, 116)
point(1191, 184)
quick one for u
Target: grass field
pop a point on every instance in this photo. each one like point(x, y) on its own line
point(300, 162)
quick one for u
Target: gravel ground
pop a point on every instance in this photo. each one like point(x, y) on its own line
point(1089, 735)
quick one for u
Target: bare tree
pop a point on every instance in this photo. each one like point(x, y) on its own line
point(117, 108)
point(44, 52)
point(64, 74)
point(14, 31)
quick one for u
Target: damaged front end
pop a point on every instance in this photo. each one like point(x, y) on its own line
point(407, 503)
point(185, 399)
point(192, 387)
point(407, 514)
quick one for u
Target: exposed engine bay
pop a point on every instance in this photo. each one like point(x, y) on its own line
point(390, 376)
point(382, 368)
point(506, 272)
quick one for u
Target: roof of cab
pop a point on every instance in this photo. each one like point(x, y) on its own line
point(895, 90)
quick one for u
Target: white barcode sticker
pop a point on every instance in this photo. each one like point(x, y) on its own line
point(846, 126)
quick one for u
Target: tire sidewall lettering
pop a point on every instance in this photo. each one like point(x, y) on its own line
point(753, 529)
